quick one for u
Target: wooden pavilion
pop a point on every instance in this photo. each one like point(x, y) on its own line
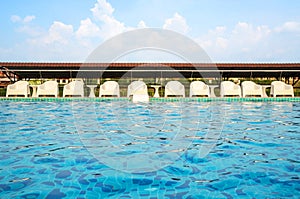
point(40, 70)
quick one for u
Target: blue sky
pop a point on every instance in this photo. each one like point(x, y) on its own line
point(228, 30)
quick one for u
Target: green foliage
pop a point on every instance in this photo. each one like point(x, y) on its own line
point(2, 92)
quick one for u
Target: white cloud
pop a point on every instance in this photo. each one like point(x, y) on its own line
point(61, 41)
point(27, 19)
point(57, 33)
point(25, 26)
point(219, 30)
point(87, 33)
point(103, 12)
point(15, 18)
point(221, 43)
point(142, 24)
point(244, 41)
point(214, 38)
point(176, 23)
point(112, 27)
point(30, 30)
point(245, 33)
point(290, 26)
point(102, 9)
point(87, 29)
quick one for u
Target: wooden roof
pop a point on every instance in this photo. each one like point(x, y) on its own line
point(94, 70)
point(27, 65)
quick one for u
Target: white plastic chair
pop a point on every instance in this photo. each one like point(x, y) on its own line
point(198, 88)
point(18, 88)
point(281, 88)
point(228, 88)
point(109, 88)
point(250, 88)
point(74, 88)
point(49, 88)
point(137, 88)
point(174, 88)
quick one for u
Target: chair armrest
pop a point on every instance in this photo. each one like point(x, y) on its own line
point(257, 87)
point(286, 87)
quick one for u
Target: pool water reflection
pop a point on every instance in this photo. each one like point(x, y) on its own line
point(49, 150)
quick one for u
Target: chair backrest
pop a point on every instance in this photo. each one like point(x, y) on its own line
point(75, 85)
point(198, 85)
point(48, 88)
point(137, 87)
point(18, 88)
point(230, 88)
point(199, 88)
point(21, 83)
point(109, 88)
point(250, 85)
point(110, 85)
point(74, 88)
point(228, 84)
point(281, 88)
point(174, 88)
point(278, 84)
point(49, 85)
point(250, 88)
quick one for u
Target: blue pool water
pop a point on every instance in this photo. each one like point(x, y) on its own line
point(155, 150)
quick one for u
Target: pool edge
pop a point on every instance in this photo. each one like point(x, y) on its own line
point(162, 99)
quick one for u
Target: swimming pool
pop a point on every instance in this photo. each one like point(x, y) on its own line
point(118, 149)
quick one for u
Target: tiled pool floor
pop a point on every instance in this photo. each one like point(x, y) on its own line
point(54, 149)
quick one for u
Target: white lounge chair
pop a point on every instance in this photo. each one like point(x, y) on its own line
point(228, 88)
point(49, 88)
point(109, 88)
point(250, 88)
point(174, 88)
point(198, 88)
point(19, 88)
point(281, 88)
point(137, 88)
point(74, 88)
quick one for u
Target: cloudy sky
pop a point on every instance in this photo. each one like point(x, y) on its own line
point(228, 30)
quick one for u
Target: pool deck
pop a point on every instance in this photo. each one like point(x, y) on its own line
point(160, 99)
